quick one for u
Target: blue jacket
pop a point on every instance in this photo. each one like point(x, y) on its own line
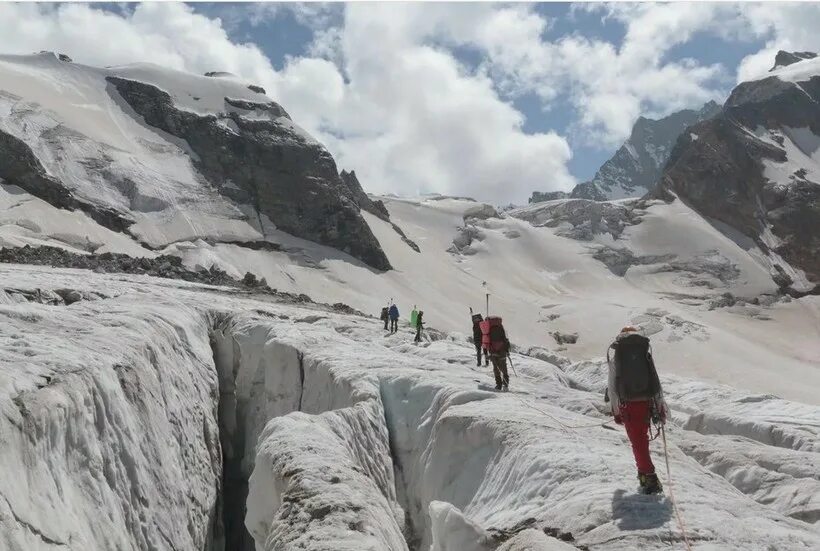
point(394, 312)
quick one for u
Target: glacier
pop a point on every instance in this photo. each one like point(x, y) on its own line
point(129, 420)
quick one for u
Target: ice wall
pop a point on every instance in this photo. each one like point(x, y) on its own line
point(108, 432)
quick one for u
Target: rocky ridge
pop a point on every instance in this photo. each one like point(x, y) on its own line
point(286, 176)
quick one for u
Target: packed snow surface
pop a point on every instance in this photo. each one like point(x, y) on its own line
point(114, 408)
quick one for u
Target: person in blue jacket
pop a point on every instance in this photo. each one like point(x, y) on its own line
point(394, 318)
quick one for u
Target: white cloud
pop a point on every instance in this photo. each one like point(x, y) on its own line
point(405, 116)
point(785, 26)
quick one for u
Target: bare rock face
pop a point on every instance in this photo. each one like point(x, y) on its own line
point(541, 196)
point(268, 164)
point(784, 59)
point(360, 198)
point(723, 174)
point(19, 166)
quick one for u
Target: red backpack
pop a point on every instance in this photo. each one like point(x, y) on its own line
point(493, 336)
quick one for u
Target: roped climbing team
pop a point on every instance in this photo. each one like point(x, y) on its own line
point(633, 388)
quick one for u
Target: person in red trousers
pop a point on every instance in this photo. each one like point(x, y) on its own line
point(635, 396)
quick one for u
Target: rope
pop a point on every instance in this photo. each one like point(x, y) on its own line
point(541, 411)
point(672, 493)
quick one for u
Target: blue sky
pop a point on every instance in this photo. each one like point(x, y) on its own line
point(284, 34)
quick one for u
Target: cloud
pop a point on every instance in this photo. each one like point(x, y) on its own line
point(784, 26)
point(407, 116)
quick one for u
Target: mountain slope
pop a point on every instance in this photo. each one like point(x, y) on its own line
point(635, 167)
point(756, 169)
point(166, 156)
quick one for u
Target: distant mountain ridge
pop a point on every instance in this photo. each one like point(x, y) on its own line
point(635, 167)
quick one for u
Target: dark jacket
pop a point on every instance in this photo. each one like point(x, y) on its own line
point(394, 312)
point(477, 329)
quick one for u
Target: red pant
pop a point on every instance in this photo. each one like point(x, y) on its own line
point(636, 421)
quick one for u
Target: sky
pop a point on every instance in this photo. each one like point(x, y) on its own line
point(489, 100)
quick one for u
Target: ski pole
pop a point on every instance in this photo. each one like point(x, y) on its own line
point(511, 364)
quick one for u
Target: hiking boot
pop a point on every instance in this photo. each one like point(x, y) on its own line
point(650, 484)
point(498, 387)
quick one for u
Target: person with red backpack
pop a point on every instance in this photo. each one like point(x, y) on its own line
point(636, 399)
point(494, 340)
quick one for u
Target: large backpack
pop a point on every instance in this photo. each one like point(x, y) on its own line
point(384, 312)
point(635, 375)
point(498, 337)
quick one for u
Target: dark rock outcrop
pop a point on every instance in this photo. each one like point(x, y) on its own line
point(164, 266)
point(784, 59)
point(360, 198)
point(541, 196)
point(20, 167)
point(268, 164)
point(374, 207)
point(721, 174)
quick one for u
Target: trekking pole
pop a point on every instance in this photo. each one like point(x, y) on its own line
point(488, 305)
point(511, 364)
point(681, 525)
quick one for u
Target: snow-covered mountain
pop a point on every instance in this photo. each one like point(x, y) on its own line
point(634, 169)
point(755, 170)
point(164, 156)
point(227, 412)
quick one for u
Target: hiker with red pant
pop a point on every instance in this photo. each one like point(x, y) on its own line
point(635, 396)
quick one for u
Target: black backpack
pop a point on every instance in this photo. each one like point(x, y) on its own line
point(635, 375)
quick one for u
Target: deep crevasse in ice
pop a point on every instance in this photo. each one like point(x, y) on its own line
point(355, 441)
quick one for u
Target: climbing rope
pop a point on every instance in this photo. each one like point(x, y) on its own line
point(542, 412)
point(672, 493)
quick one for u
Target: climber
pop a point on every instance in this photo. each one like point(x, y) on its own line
point(413, 315)
point(394, 318)
point(385, 317)
point(477, 318)
point(636, 399)
point(494, 340)
point(419, 325)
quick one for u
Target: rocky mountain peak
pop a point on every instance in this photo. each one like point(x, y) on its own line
point(636, 166)
point(784, 59)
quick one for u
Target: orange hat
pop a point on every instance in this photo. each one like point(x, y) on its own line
point(629, 329)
